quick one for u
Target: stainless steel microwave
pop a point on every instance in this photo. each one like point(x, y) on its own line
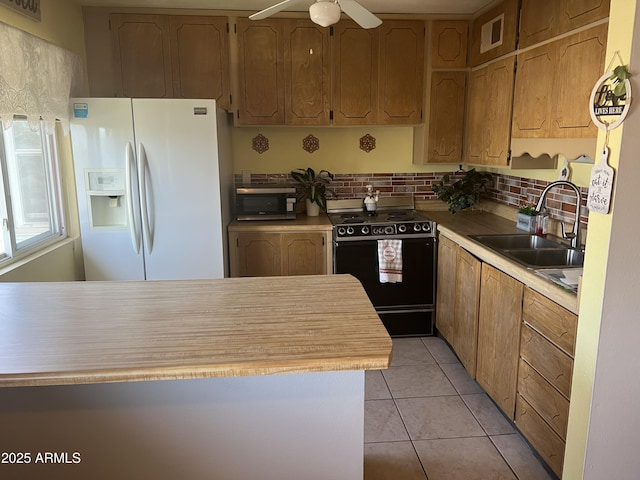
point(265, 202)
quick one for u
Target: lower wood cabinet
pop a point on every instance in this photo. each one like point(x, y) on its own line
point(260, 254)
point(457, 300)
point(517, 342)
point(544, 377)
point(499, 337)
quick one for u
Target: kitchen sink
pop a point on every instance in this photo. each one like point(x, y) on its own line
point(508, 242)
point(547, 257)
point(532, 251)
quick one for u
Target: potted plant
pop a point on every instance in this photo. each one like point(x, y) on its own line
point(527, 218)
point(465, 191)
point(314, 188)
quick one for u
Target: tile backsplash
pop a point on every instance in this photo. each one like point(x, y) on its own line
point(508, 190)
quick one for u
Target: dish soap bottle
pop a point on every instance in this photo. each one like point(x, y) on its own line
point(542, 222)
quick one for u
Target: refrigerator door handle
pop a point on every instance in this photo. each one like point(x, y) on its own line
point(144, 207)
point(133, 226)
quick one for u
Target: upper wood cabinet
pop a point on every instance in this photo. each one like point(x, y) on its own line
point(306, 75)
point(165, 56)
point(142, 55)
point(553, 85)
point(200, 57)
point(489, 113)
point(354, 74)
point(261, 72)
point(446, 117)
point(400, 82)
point(283, 71)
point(556, 18)
point(287, 70)
point(449, 43)
point(494, 33)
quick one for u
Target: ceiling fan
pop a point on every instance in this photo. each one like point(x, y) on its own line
point(326, 12)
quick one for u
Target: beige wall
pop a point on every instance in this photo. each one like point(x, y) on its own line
point(62, 25)
point(610, 451)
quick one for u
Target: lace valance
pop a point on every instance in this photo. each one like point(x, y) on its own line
point(36, 79)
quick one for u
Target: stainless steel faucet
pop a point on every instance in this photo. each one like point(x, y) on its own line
point(574, 236)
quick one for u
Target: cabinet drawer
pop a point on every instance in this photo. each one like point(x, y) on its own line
point(549, 361)
point(546, 400)
point(547, 443)
point(551, 320)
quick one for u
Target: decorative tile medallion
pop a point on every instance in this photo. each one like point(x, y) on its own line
point(367, 143)
point(260, 143)
point(310, 143)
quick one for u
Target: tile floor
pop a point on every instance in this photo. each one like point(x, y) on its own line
point(427, 419)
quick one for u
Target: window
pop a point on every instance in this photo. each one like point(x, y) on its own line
point(30, 207)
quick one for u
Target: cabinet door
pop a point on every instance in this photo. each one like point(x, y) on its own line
point(200, 58)
point(261, 72)
point(577, 13)
point(446, 288)
point(580, 62)
point(476, 121)
point(446, 117)
point(449, 43)
point(401, 72)
point(532, 104)
point(355, 74)
point(498, 112)
point(465, 335)
point(556, 18)
point(303, 254)
point(257, 254)
point(499, 337)
point(141, 56)
point(538, 24)
point(307, 82)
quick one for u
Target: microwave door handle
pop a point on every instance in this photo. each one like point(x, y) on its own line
point(134, 227)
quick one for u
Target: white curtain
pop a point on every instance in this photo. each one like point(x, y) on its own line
point(36, 79)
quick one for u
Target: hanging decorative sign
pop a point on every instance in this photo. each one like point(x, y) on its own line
point(611, 98)
point(30, 8)
point(599, 197)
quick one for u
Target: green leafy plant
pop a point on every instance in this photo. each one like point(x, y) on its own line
point(315, 186)
point(463, 192)
point(528, 210)
point(620, 74)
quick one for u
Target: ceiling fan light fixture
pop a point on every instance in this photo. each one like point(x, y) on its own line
point(324, 13)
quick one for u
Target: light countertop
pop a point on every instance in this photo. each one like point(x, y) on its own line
point(458, 227)
point(301, 222)
point(100, 332)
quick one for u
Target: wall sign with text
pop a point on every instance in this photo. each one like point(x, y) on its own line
point(608, 106)
point(30, 8)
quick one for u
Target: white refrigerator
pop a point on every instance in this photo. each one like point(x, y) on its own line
point(154, 182)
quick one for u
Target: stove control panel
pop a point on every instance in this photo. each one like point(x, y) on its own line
point(399, 230)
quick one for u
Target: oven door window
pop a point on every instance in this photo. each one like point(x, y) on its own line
point(360, 259)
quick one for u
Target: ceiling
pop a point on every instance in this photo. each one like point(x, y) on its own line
point(459, 7)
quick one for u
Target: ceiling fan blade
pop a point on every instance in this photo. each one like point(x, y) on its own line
point(359, 14)
point(267, 12)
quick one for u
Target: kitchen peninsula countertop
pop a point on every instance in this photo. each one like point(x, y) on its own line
point(458, 227)
point(101, 332)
